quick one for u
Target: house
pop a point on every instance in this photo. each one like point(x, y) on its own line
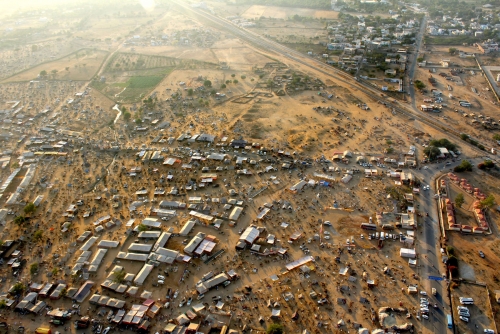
point(408, 221)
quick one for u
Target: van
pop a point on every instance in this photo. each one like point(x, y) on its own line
point(466, 301)
point(43, 330)
point(382, 235)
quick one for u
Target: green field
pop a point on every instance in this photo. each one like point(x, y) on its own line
point(131, 86)
point(144, 82)
point(130, 77)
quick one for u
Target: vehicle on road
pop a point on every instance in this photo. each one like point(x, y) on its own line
point(481, 254)
point(449, 320)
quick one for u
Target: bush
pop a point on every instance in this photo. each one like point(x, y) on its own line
point(243, 77)
point(488, 164)
point(450, 250)
point(464, 166)
point(275, 329)
point(223, 86)
point(38, 235)
point(29, 208)
point(34, 268)
point(18, 288)
point(488, 202)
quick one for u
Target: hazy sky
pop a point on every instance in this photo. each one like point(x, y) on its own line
point(10, 6)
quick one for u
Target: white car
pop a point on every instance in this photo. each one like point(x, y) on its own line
point(422, 292)
point(161, 282)
point(161, 277)
point(464, 319)
point(425, 316)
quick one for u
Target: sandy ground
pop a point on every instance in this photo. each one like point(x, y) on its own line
point(81, 65)
point(288, 122)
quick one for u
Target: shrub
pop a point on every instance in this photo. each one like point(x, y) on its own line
point(275, 329)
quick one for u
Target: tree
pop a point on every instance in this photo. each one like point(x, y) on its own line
point(464, 166)
point(19, 220)
point(207, 83)
point(488, 202)
point(213, 92)
point(419, 84)
point(432, 152)
point(3, 304)
point(29, 208)
point(275, 329)
point(127, 116)
point(222, 86)
point(496, 136)
point(228, 82)
point(18, 288)
point(235, 81)
point(488, 164)
point(233, 75)
point(119, 276)
point(420, 59)
point(43, 73)
point(142, 228)
point(34, 268)
point(243, 77)
point(138, 121)
point(190, 92)
point(55, 271)
point(54, 72)
point(459, 200)
point(452, 51)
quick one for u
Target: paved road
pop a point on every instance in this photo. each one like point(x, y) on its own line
point(411, 72)
point(428, 247)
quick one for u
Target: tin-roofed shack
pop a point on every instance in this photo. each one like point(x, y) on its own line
point(250, 234)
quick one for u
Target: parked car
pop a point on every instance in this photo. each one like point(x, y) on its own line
point(481, 254)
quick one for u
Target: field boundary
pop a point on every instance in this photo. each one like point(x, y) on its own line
point(53, 60)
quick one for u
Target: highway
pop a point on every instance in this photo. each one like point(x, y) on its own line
point(316, 65)
point(428, 247)
point(411, 72)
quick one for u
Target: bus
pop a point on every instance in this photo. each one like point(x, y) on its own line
point(366, 226)
point(450, 321)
